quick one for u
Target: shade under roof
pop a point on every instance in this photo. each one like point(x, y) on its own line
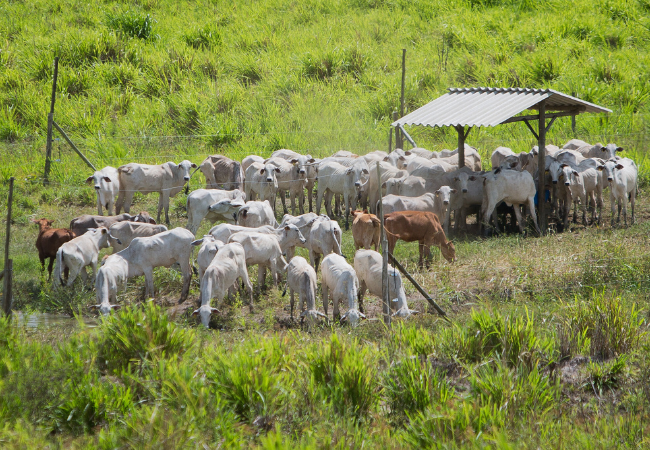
point(487, 107)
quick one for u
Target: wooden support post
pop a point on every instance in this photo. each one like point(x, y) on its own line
point(385, 294)
point(50, 120)
point(8, 268)
point(398, 136)
point(74, 147)
point(573, 124)
point(541, 188)
point(461, 146)
point(390, 139)
point(403, 82)
point(419, 288)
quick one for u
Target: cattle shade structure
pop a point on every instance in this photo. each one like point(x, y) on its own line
point(489, 107)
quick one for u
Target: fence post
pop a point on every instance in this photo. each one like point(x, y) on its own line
point(8, 268)
point(385, 294)
point(398, 136)
point(50, 120)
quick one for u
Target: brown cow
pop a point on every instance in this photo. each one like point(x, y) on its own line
point(48, 242)
point(420, 226)
point(365, 230)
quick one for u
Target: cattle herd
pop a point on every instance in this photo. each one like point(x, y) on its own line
point(421, 190)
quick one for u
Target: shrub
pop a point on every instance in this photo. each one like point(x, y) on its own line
point(132, 24)
point(135, 334)
point(606, 376)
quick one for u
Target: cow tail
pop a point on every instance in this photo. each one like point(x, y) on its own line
point(59, 266)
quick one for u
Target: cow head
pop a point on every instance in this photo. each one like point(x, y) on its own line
point(184, 169)
point(205, 311)
point(105, 308)
point(97, 178)
point(43, 222)
point(448, 251)
point(353, 317)
point(463, 180)
point(291, 236)
point(143, 217)
point(444, 194)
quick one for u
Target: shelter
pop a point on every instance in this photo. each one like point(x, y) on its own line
point(488, 107)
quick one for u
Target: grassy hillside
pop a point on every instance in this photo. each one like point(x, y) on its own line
point(548, 345)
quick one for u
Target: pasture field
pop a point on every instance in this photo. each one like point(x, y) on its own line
point(548, 342)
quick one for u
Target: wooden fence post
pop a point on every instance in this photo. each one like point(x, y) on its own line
point(385, 294)
point(8, 268)
point(50, 120)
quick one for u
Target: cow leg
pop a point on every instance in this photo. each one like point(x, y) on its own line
point(624, 201)
point(110, 205)
point(421, 252)
point(283, 200)
point(632, 201)
point(336, 313)
point(261, 275)
point(319, 199)
point(328, 203)
point(186, 270)
point(533, 214)
point(326, 301)
point(346, 204)
point(520, 221)
point(49, 267)
point(99, 205)
point(165, 200)
point(148, 283)
point(249, 286)
point(360, 293)
point(74, 272)
point(291, 299)
point(567, 211)
point(301, 201)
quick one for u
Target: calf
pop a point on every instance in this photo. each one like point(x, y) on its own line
point(107, 186)
point(209, 248)
point(420, 226)
point(78, 253)
point(514, 188)
point(368, 266)
point(228, 264)
point(301, 277)
point(200, 200)
point(82, 224)
point(222, 172)
point(261, 181)
point(122, 233)
point(49, 240)
point(340, 278)
point(166, 179)
point(366, 229)
point(622, 176)
point(437, 203)
point(140, 258)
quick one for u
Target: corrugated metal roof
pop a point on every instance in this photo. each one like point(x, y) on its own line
point(479, 107)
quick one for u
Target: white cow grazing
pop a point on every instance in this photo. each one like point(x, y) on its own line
point(335, 178)
point(340, 278)
point(260, 180)
point(583, 183)
point(255, 214)
point(291, 179)
point(324, 238)
point(436, 202)
point(122, 233)
point(386, 171)
point(598, 151)
point(141, 257)
point(513, 187)
point(225, 210)
point(250, 159)
point(574, 144)
point(209, 248)
point(199, 202)
point(301, 278)
point(107, 186)
point(411, 186)
point(228, 265)
point(368, 266)
point(223, 231)
point(262, 250)
point(78, 253)
point(166, 179)
point(622, 176)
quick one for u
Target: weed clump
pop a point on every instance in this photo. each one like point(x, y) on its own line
point(132, 24)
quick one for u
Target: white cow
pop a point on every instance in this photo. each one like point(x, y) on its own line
point(107, 186)
point(122, 233)
point(78, 253)
point(264, 251)
point(599, 151)
point(622, 176)
point(141, 257)
point(301, 278)
point(368, 266)
point(574, 144)
point(255, 214)
point(335, 178)
point(260, 180)
point(411, 186)
point(199, 202)
point(469, 193)
point(386, 171)
point(209, 248)
point(228, 264)
point(583, 183)
point(514, 188)
point(307, 166)
point(373, 157)
point(166, 179)
point(291, 179)
point(221, 172)
point(223, 231)
point(436, 202)
point(250, 159)
point(340, 278)
point(399, 157)
point(324, 238)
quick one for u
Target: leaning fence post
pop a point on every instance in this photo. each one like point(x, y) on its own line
point(8, 268)
point(385, 294)
point(50, 120)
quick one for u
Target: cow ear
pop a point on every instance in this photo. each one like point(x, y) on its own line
point(261, 171)
point(277, 169)
point(194, 166)
point(407, 153)
point(620, 166)
point(385, 158)
point(151, 221)
point(472, 178)
point(453, 191)
point(106, 179)
point(497, 170)
point(619, 149)
point(197, 242)
point(600, 168)
point(195, 312)
point(402, 158)
point(365, 171)
point(437, 193)
point(89, 179)
point(562, 166)
point(104, 230)
point(287, 228)
point(116, 306)
point(294, 161)
point(575, 173)
point(311, 161)
point(383, 185)
point(349, 171)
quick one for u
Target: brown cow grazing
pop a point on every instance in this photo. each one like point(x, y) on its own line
point(365, 230)
point(48, 242)
point(420, 226)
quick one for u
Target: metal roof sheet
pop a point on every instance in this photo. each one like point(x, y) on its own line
point(490, 106)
